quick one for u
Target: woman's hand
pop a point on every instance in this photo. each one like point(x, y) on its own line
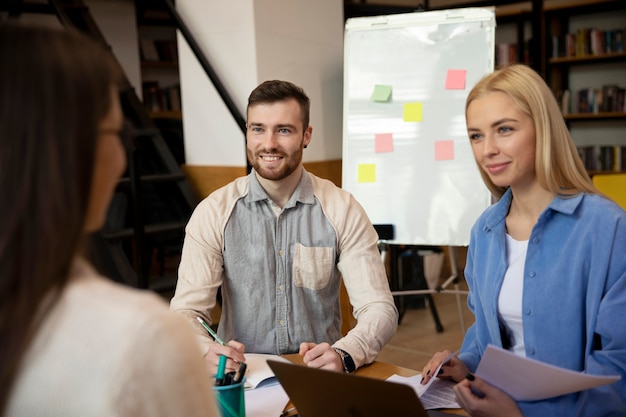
point(453, 368)
point(481, 399)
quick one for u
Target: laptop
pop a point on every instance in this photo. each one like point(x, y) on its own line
point(317, 393)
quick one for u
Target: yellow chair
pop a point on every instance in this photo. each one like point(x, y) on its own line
point(612, 185)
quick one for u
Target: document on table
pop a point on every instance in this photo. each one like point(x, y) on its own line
point(258, 372)
point(526, 379)
point(266, 401)
point(437, 393)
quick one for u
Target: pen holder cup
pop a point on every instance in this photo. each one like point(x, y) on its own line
point(231, 399)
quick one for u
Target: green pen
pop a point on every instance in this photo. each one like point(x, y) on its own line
point(221, 368)
point(211, 332)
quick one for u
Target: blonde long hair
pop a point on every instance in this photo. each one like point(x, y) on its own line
point(558, 166)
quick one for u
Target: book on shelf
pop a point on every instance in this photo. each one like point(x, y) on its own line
point(508, 53)
point(588, 42)
point(148, 50)
point(603, 157)
point(610, 98)
point(152, 98)
point(157, 98)
point(166, 50)
point(566, 102)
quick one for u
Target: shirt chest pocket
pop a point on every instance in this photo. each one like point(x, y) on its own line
point(312, 267)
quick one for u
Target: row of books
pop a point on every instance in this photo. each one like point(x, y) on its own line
point(589, 41)
point(158, 50)
point(603, 158)
point(608, 98)
point(507, 54)
point(157, 98)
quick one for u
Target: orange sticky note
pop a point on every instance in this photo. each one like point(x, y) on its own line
point(367, 173)
point(455, 79)
point(444, 150)
point(383, 142)
point(413, 112)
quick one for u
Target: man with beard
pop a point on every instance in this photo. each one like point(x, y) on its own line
point(278, 242)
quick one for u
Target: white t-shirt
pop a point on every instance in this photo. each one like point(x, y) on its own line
point(510, 298)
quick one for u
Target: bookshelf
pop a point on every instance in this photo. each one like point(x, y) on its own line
point(585, 65)
point(514, 35)
point(159, 62)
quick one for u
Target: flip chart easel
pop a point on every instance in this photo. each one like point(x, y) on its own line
point(406, 155)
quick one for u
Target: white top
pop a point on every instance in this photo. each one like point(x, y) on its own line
point(511, 292)
point(108, 350)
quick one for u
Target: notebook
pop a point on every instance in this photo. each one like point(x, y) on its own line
point(315, 393)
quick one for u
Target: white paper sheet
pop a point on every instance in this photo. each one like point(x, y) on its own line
point(526, 379)
point(437, 393)
point(267, 401)
point(258, 372)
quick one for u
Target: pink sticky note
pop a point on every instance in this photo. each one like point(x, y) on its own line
point(444, 150)
point(455, 79)
point(383, 142)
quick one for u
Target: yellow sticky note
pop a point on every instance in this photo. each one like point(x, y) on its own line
point(381, 93)
point(413, 112)
point(367, 173)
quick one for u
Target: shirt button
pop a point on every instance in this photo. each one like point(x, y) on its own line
point(531, 274)
point(531, 351)
point(527, 311)
point(536, 240)
point(281, 322)
point(280, 252)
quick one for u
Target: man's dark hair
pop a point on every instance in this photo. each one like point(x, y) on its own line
point(276, 90)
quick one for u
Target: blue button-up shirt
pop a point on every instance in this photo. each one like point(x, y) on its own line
point(574, 296)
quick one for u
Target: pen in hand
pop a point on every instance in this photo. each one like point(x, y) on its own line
point(221, 369)
point(211, 332)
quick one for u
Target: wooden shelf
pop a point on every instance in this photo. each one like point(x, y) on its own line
point(595, 116)
point(566, 60)
point(159, 64)
point(167, 114)
point(593, 172)
point(561, 5)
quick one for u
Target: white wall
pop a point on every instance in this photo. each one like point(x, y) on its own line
point(117, 22)
point(250, 41)
point(305, 46)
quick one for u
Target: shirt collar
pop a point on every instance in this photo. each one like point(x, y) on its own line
point(564, 204)
point(302, 194)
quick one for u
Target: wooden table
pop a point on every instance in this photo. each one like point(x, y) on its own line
point(378, 370)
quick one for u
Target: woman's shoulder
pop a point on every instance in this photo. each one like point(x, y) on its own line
point(116, 308)
point(601, 206)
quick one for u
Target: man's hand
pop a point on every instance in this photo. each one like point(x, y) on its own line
point(321, 356)
point(233, 351)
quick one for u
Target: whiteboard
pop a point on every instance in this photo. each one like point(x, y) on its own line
point(406, 154)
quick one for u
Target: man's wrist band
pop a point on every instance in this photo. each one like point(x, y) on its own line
point(346, 360)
